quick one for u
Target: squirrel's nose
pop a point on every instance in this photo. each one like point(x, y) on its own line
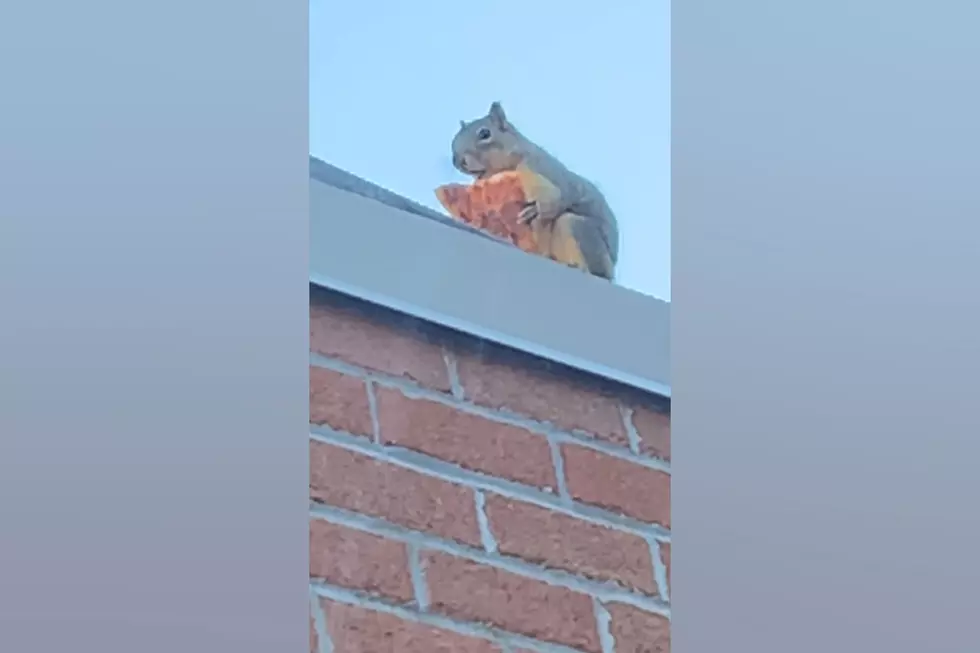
point(458, 161)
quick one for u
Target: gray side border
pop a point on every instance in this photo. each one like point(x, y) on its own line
point(477, 286)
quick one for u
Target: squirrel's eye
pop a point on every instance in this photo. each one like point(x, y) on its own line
point(483, 134)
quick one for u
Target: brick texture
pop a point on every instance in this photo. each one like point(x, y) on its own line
point(637, 631)
point(653, 427)
point(467, 590)
point(489, 575)
point(542, 396)
point(468, 440)
point(358, 630)
point(359, 560)
point(351, 338)
point(562, 542)
point(339, 401)
point(616, 484)
point(349, 480)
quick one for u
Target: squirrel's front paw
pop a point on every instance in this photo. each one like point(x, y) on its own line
point(529, 213)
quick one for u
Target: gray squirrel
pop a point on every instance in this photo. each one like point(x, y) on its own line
point(571, 219)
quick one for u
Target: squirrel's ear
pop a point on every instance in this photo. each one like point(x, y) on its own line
point(462, 124)
point(498, 116)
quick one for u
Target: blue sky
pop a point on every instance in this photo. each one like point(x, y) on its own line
point(390, 80)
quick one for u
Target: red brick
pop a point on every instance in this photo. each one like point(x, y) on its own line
point(358, 630)
point(653, 427)
point(358, 560)
point(636, 631)
point(616, 484)
point(339, 401)
point(555, 540)
point(341, 334)
point(314, 640)
point(359, 483)
point(665, 556)
point(473, 592)
point(542, 396)
point(468, 440)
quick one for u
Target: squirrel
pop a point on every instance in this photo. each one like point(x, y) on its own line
point(569, 217)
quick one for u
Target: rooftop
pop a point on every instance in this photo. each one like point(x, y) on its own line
point(375, 245)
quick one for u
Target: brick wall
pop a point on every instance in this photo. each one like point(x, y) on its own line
point(467, 498)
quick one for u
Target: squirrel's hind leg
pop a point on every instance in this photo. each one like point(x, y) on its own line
point(578, 242)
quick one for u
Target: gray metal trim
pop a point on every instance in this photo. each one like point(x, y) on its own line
point(407, 260)
point(331, 175)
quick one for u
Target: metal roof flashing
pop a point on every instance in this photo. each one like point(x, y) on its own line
point(374, 245)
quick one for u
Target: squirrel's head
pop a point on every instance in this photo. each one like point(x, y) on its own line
point(487, 145)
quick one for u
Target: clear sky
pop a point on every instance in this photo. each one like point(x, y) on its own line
point(390, 81)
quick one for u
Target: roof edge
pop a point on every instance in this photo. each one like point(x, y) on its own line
point(479, 287)
point(331, 175)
